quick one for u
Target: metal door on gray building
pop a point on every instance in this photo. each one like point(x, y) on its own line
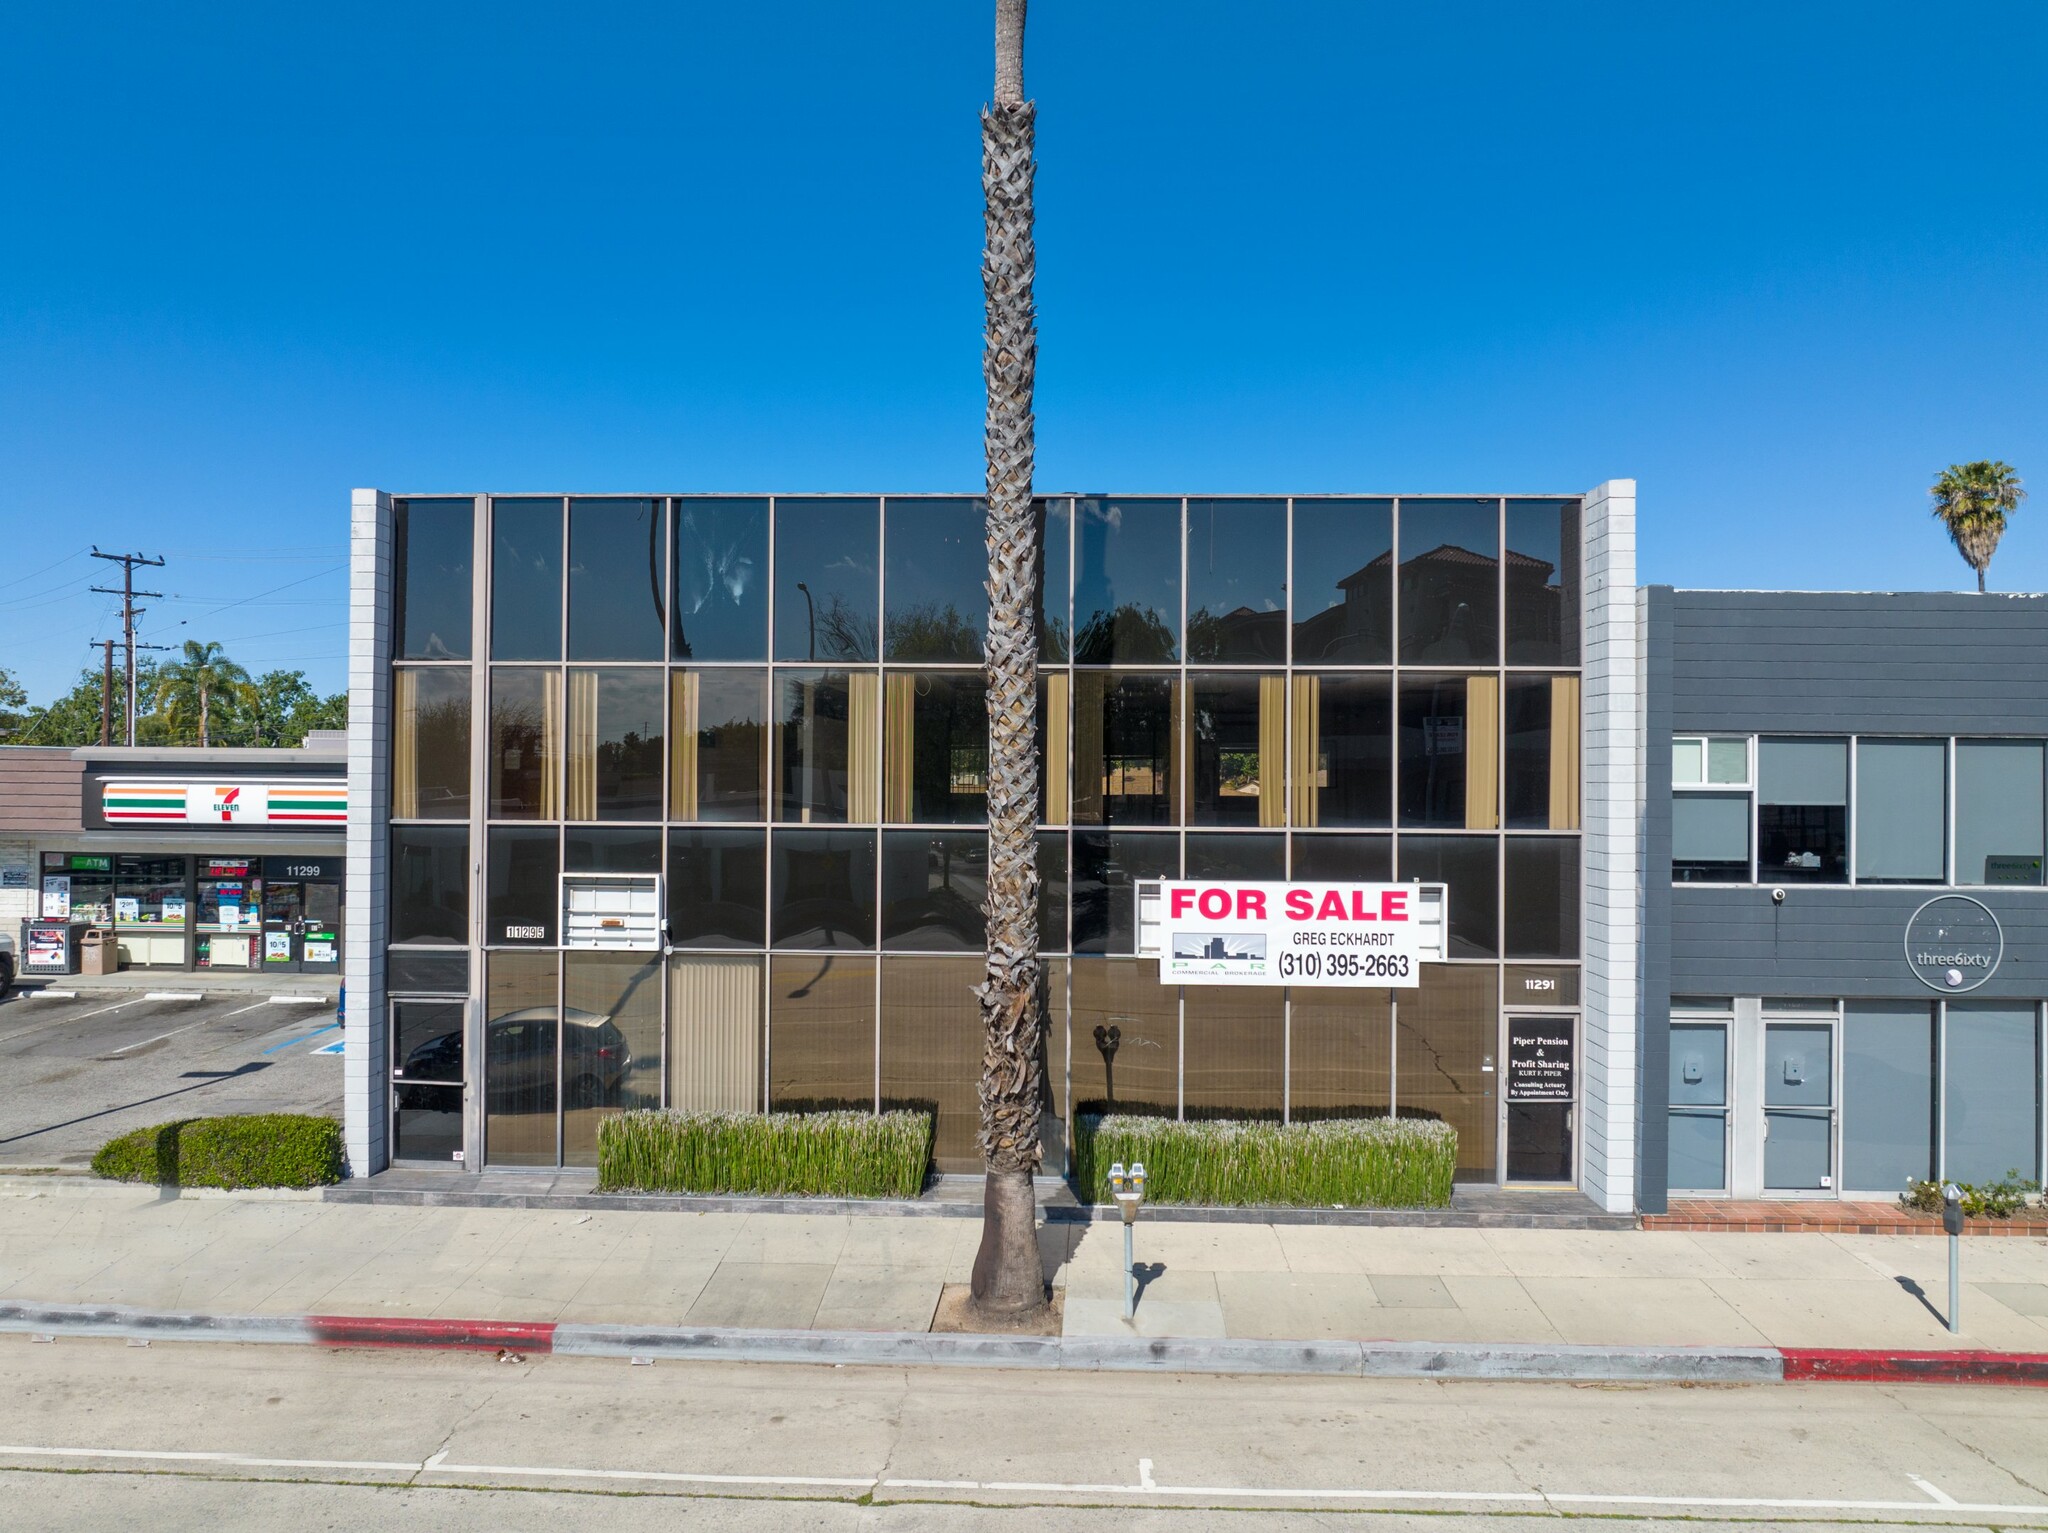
point(1799, 1106)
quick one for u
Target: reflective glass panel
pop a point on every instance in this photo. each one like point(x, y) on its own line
point(1256, 856)
point(526, 743)
point(1126, 760)
point(618, 559)
point(1127, 582)
point(718, 888)
point(1449, 747)
point(1541, 790)
point(1467, 865)
point(1237, 726)
point(931, 1051)
point(526, 579)
point(1444, 1044)
point(1709, 838)
point(432, 557)
point(935, 746)
point(1887, 1094)
point(1234, 1059)
point(933, 890)
point(1053, 891)
point(1125, 1045)
point(1343, 734)
point(715, 1034)
point(823, 889)
point(1055, 581)
point(1802, 811)
point(426, 1048)
point(611, 1044)
point(1104, 864)
point(1340, 1049)
point(935, 575)
point(1543, 582)
point(1991, 1097)
point(1998, 811)
point(1237, 581)
point(522, 884)
point(721, 607)
point(1688, 762)
point(821, 1033)
point(430, 883)
point(521, 1008)
point(1542, 903)
point(826, 584)
point(718, 721)
point(430, 743)
point(615, 744)
point(1902, 811)
point(1450, 553)
point(1343, 582)
point(590, 849)
point(1337, 859)
point(827, 746)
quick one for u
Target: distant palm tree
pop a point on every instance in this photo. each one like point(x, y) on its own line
point(1973, 500)
point(189, 684)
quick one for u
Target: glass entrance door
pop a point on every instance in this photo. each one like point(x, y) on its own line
point(301, 926)
point(1541, 1097)
point(427, 1076)
point(1799, 1106)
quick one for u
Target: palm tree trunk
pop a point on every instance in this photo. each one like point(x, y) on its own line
point(1980, 580)
point(1007, 1279)
point(202, 715)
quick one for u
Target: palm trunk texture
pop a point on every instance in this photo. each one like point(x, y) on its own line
point(1008, 1280)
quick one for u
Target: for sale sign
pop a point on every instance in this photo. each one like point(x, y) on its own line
point(1227, 933)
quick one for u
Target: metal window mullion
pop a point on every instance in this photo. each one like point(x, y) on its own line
point(1850, 794)
point(482, 567)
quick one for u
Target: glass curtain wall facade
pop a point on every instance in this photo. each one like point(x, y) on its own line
point(777, 704)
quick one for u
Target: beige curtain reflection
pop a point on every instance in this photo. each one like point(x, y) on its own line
point(1053, 739)
point(863, 747)
point(714, 1044)
point(1305, 765)
point(1564, 753)
point(551, 743)
point(899, 744)
point(405, 745)
point(686, 691)
point(1272, 750)
point(582, 746)
point(1482, 752)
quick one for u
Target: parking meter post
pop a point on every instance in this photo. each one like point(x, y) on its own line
point(1128, 1188)
point(1952, 1221)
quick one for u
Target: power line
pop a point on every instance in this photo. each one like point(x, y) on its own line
point(129, 613)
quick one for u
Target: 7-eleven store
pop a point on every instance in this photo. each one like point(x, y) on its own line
point(225, 859)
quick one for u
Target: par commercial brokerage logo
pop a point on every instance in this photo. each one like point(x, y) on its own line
point(1954, 943)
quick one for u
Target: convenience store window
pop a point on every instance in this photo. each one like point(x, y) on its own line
point(230, 913)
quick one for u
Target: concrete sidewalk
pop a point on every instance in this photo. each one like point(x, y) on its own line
point(67, 1240)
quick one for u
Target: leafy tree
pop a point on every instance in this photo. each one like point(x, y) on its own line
point(281, 708)
point(1972, 500)
point(1129, 634)
point(188, 687)
point(74, 718)
point(13, 702)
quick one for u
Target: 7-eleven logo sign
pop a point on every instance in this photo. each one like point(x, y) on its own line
point(227, 805)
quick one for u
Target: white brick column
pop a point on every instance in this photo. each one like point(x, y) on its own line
point(366, 1093)
point(1612, 647)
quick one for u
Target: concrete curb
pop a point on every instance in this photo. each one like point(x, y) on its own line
point(1092, 1354)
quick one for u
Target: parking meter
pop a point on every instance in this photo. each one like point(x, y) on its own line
point(1952, 1221)
point(1128, 1188)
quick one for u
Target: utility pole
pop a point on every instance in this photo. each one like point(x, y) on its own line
point(106, 694)
point(129, 612)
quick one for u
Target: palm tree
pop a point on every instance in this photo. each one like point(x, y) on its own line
point(1973, 500)
point(1008, 1282)
point(189, 684)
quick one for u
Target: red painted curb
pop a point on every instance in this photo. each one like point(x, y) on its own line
point(1804, 1364)
point(402, 1331)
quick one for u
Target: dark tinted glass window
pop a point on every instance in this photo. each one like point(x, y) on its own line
point(526, 743)
point(526, 579)
point(821, 1033)
point(933, 888)
point(1339, 859)
point(721, 606)
point(1104, 864)
point(1449, 747)
point(430, 883)
point(1237, 581)
point(931, 1052)
point(615, 740)
point(1261, 855)
point(1543, 582)
point(935, 577)
point(935, 744)
point(1542, 901)
point(1802, 811)
point(522, 1006)
point(1056, 580)
point(618, 556)
point(1344, 731)
point(1053, 892)
point(1234, 1051)
point(433, 561)
point(1124, 1047)
point(1709, 838)
point(823, 889)
point(587, 849)
point(826, 584)
point(429, 971)
point(1236, 726)
point(1127, 582)
point(1450, 597)
point(1541, 791)
point(826, 750)
point(719, 723)
point(1126, 756)
point(718, 888)
point(1343, 582)
point(1467, 864)
point(430, 743)
point(522, 883)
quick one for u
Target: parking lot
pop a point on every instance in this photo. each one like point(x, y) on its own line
point(79, 1070)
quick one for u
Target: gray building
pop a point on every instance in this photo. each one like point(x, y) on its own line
point(1845, 947)
point(677, 800)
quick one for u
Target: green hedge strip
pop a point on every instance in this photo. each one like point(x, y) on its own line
point(1358, 1162)
point(243, 1150)
point(822, 1154)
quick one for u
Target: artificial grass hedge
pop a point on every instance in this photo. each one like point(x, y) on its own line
point(820, 1154)
point(274, 1149)
point(1358, 1162)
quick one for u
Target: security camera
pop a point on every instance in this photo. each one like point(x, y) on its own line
point(1777, 896)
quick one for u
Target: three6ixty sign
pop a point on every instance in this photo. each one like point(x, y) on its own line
point(1225, 933)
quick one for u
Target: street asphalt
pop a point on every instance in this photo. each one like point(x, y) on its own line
point(98, 1434)
point(79, 1070)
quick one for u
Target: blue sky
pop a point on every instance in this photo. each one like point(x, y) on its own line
point(1779, 263)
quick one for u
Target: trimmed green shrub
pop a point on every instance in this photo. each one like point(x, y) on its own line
point(1985, 1200)
point(1358, 1162)
point(822, 1154)
point(242, 1150)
